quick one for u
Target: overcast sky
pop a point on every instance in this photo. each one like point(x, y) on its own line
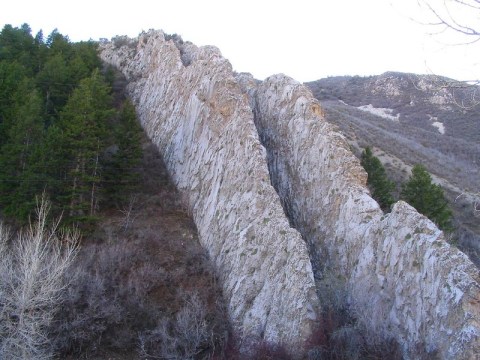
point(305, 39)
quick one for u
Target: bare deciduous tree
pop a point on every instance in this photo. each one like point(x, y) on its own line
point(32, 268)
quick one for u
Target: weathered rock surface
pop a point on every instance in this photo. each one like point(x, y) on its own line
point(191, 106)
point(403, 279)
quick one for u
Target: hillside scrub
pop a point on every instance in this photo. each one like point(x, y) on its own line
point(145, 289)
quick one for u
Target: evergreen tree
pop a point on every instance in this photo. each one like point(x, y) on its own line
point(83, 137)
point(18, 181)
point(54, 111)
point(56, 84)
point(12, 75)
point(427, 198)
point(84, 60)
point(380, 186)
point(59, 44)
point(121, 169)
point(18, 45)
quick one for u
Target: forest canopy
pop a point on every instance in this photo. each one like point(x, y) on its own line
point(57, 112)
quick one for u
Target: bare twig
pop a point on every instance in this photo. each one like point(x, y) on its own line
point(445, 17)
point(129, 215)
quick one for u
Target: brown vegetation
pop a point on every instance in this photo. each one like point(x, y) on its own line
point(146, 289)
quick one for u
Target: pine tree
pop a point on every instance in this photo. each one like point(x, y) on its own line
point(18, 45)
point(380, 186)
point(54, 80)
point(18, 181)
point(84, 60)
point(83, 136)
point(12, 75)
point(427, 198)
point(121, 169)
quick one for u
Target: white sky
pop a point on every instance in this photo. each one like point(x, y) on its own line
point(305, 39)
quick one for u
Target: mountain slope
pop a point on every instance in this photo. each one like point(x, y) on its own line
point(411, 119)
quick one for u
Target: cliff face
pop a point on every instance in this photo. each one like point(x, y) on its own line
point(191, 106)
point(403, 279)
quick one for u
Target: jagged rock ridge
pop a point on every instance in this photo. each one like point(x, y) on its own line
point(401, 274)
point(192, 108)
point(403, 278)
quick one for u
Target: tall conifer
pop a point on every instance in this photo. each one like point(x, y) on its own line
point(121, 169)
point(18, 181)
point(427, 198)
point(380, 186)
point(84, 132)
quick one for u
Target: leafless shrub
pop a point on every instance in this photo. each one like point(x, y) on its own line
point(135, 285)
point(187, 335)
point(105, 305)
point(32, 268)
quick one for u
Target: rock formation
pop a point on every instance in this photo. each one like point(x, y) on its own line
point(403, 279)
point(192, 108)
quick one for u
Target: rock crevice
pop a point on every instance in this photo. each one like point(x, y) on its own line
point(202, 124)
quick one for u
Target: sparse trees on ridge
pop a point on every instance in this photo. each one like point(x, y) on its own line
point(419, 191)
point(378, 182)
point(427, 198)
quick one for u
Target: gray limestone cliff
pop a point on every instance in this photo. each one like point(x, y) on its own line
point(192, 108)
point(403, 279)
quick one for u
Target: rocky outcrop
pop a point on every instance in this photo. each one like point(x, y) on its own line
point(191, 106)
point(403, 279)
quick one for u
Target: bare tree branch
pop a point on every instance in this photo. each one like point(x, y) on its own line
point(444, 16)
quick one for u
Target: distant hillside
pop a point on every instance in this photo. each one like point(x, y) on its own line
point(411, 119)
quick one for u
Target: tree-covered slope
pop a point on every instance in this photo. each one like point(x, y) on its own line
point(57, 114)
